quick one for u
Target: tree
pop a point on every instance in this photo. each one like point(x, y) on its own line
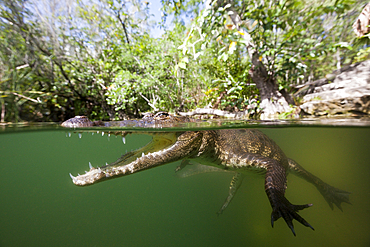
point(67, 55)
point(25, 70)
point(283, 40)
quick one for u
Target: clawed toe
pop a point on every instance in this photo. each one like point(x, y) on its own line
point(289, 212)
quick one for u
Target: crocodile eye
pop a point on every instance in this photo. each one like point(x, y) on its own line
point(162, 115)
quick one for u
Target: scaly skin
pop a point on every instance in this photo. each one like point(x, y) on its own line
point(238, 150)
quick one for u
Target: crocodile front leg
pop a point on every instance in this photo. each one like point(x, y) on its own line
point(236, 181)
point(275, 185)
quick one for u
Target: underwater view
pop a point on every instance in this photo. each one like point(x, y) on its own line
point(41, 206)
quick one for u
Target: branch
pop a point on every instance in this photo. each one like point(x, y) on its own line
point(150, 104)
point(123, 26)
point(22, 96)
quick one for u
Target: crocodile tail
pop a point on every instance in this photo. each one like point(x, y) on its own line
point(331, 194)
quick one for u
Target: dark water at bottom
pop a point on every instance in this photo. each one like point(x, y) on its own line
point(41, 207)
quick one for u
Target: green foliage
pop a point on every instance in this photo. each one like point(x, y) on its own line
point(230, 88)
point(24, 71)
point(220, 58)
point(147, 80)
point(362, 55)
point(99, 61)
point(297, 40)
point(180, 9)
point(71, 74)
point(362, 43)
point(97, 58)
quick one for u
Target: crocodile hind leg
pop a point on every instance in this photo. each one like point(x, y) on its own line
point(331, 194)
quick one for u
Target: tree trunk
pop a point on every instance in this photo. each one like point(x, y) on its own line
point(272, 101)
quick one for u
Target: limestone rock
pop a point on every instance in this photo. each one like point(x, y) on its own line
point(348, 92)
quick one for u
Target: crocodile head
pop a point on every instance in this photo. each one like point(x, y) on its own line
point(160, 119)
point(164, 148)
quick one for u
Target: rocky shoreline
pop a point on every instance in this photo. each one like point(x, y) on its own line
point(344, 92)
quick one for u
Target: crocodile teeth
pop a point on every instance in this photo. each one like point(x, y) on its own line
point(124, 140)
point(91, 167)
point(74, 179)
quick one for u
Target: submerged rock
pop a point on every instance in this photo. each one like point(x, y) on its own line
point(347, 91)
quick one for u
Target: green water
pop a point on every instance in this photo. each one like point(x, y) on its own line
point(40, 206)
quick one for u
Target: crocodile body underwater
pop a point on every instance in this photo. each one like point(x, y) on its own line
point(241, 151)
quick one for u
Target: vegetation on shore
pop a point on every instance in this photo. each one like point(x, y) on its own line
point(99, 58)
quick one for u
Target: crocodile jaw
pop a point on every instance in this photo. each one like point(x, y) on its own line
point(88, 178)
point(113, 170)
point(164, 148)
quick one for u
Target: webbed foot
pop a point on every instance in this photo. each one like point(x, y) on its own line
point(331, 194)
point(283, 208)
point(335, 196)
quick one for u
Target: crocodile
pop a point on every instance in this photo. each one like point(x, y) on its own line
point(240, 151)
